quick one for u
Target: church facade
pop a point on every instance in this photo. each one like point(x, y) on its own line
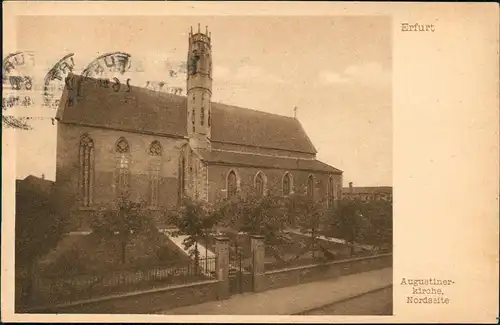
point(158, 147)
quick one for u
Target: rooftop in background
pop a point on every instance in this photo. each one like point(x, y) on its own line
point(34, 182)
point(367, 189)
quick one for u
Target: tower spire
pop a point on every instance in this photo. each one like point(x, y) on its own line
point(199, 90)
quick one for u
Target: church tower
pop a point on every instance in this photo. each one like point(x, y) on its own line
point(199, 89)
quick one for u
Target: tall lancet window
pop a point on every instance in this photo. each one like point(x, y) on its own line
point(155, 152)
point(287, 184)
point(86, 178)
point(260, 184)
point(310, 187)
point(209, 118)
point(123, 174)
point(232, 184)
point(202, 112)
point(193, 118)
point(182, 177)
point(330, 192)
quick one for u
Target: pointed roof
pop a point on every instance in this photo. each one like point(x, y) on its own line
point(146, 111)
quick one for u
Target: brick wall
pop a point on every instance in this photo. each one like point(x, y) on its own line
point(67, 172)
point(217, 181)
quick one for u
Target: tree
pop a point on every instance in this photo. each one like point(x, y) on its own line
point(129, 220)
point(195, 219)
point(379, 214)
point(39, 228)
point(349, 222)
point(264, 215)
point(308, 215)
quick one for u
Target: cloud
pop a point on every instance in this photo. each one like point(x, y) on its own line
point(370, 74)
point(246, 73)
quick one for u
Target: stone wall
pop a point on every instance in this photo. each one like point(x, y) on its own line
point(297, 275)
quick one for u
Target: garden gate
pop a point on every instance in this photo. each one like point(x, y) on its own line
point(240, 272)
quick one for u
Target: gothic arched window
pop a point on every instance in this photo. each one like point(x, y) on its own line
point(182, 177)
point(155, 148)
point(123, 156)
point(209, 118)
point(202, 116)
point(232, 184)
point(287, 184)
point(260, 184)
point(330, 192)
point(155, 151)
point(86, 178)
point(310, 187)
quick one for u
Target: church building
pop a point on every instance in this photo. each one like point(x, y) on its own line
point(157, 147)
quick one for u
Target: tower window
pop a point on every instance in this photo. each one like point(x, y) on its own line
point(209, 118)
point(202, 117)
point(86, 170)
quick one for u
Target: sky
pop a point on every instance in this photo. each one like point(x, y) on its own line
point(335, 69)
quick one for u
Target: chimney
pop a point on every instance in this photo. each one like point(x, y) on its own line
point(350, 187)
point(43, 176)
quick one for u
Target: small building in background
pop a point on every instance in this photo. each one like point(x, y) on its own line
point(367, 193)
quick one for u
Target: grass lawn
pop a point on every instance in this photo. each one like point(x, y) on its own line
point(92, 267)
point(92, 253)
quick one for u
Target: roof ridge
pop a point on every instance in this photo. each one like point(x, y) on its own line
point(257, 154)
point(143, 89)
point(251, 109)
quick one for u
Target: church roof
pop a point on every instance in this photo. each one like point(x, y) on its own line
point(232, 124)
point(140, 110)
point(251, 160)
point(147, 111)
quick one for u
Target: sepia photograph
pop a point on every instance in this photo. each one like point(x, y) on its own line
point(319, 162)
point(226, 165)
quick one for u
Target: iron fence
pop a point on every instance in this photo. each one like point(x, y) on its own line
point(50, 290)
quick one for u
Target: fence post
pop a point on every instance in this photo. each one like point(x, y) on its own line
point(222, 266)
point(258, 268)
